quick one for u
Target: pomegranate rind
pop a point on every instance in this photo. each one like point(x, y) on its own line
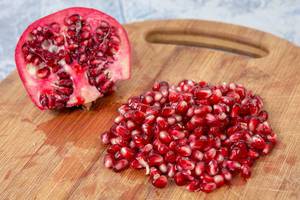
point(121, 67)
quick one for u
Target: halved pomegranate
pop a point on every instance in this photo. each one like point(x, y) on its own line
point(72, 57)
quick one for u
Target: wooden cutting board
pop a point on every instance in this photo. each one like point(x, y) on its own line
point(58, 155)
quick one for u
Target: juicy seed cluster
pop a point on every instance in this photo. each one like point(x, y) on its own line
point(53, 48)
point(196, 134)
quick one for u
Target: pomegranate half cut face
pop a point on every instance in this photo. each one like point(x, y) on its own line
point(72, 57)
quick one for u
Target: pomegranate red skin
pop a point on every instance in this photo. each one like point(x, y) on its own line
point(121, 67)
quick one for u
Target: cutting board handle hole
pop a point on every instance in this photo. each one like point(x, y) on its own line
point(215, 42)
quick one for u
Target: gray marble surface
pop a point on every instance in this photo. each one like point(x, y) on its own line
point(280, 17)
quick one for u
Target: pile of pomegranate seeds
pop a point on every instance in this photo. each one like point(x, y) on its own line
point(196, 134)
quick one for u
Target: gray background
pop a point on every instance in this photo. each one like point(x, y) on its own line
point(280, 17)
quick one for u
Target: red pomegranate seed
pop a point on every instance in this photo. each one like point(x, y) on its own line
point(108, 161)
point(43, 73)
point(180, 179)
point(184, 150)
point(170, 157)
point(245, 171)
point(213, 167)
point(182, 107)
point(176, 134)
point(171, 170)
point(267, 149)
point(165, 137)
point(197, 155)
point(127, 153)
point(154, 173)
point(120, 165)
point(210, 154)
point(199, 141)
point(252, 124)
point(258, 142)
point(198, 144)
point(136, 164)
point(193, 186)
point(160, 182)
point(208, 187)
point(199, 168)
point(186, 164)
point(202, 93)
point(113, 148)
point(105, 138)
point(155, 160)
point(233, 165)
point(227, 175)
point(219, 180)
point(263, 115)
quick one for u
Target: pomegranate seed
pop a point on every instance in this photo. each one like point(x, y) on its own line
point(213, 167)
point(171, 170)
point(105, 138)
point(186, 164)
point(245, 171)
point(119, 119)
point(147, 148)
point(227, 175)
point(136, 164)
point(272, 138)
point(208, 187)
point(267, 149)
point(120, 165)
point(180, 179)
point(202, 93)
point(162, 123)
point(197, 155)
point(176, 134)
point(114, 148)
point(202, 110)
point(160, 182)
point(219, 180)
point(253, 122)
point(264, 128)
point(155, 160)
point(122, 131)
point(167, 112)
point(127, 153)
point(233, 165)
point(170, 157)
point(149, 119)
point(154, 172)
point(193, 186)
point(184, 150)
point(182, 107)
point(162, 149)
point(258, 142)
point(210, 154)
point(263, 116)
point(43, 73)
point(165, 137)
point(108, 161)
point(163, 168)
point(198, 144)
point(199, 168)
point(212, 120)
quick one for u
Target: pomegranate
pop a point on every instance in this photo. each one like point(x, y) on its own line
point(72, 57)
point(197, 134)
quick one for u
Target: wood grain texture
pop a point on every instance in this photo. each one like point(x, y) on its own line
point(58, 155)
